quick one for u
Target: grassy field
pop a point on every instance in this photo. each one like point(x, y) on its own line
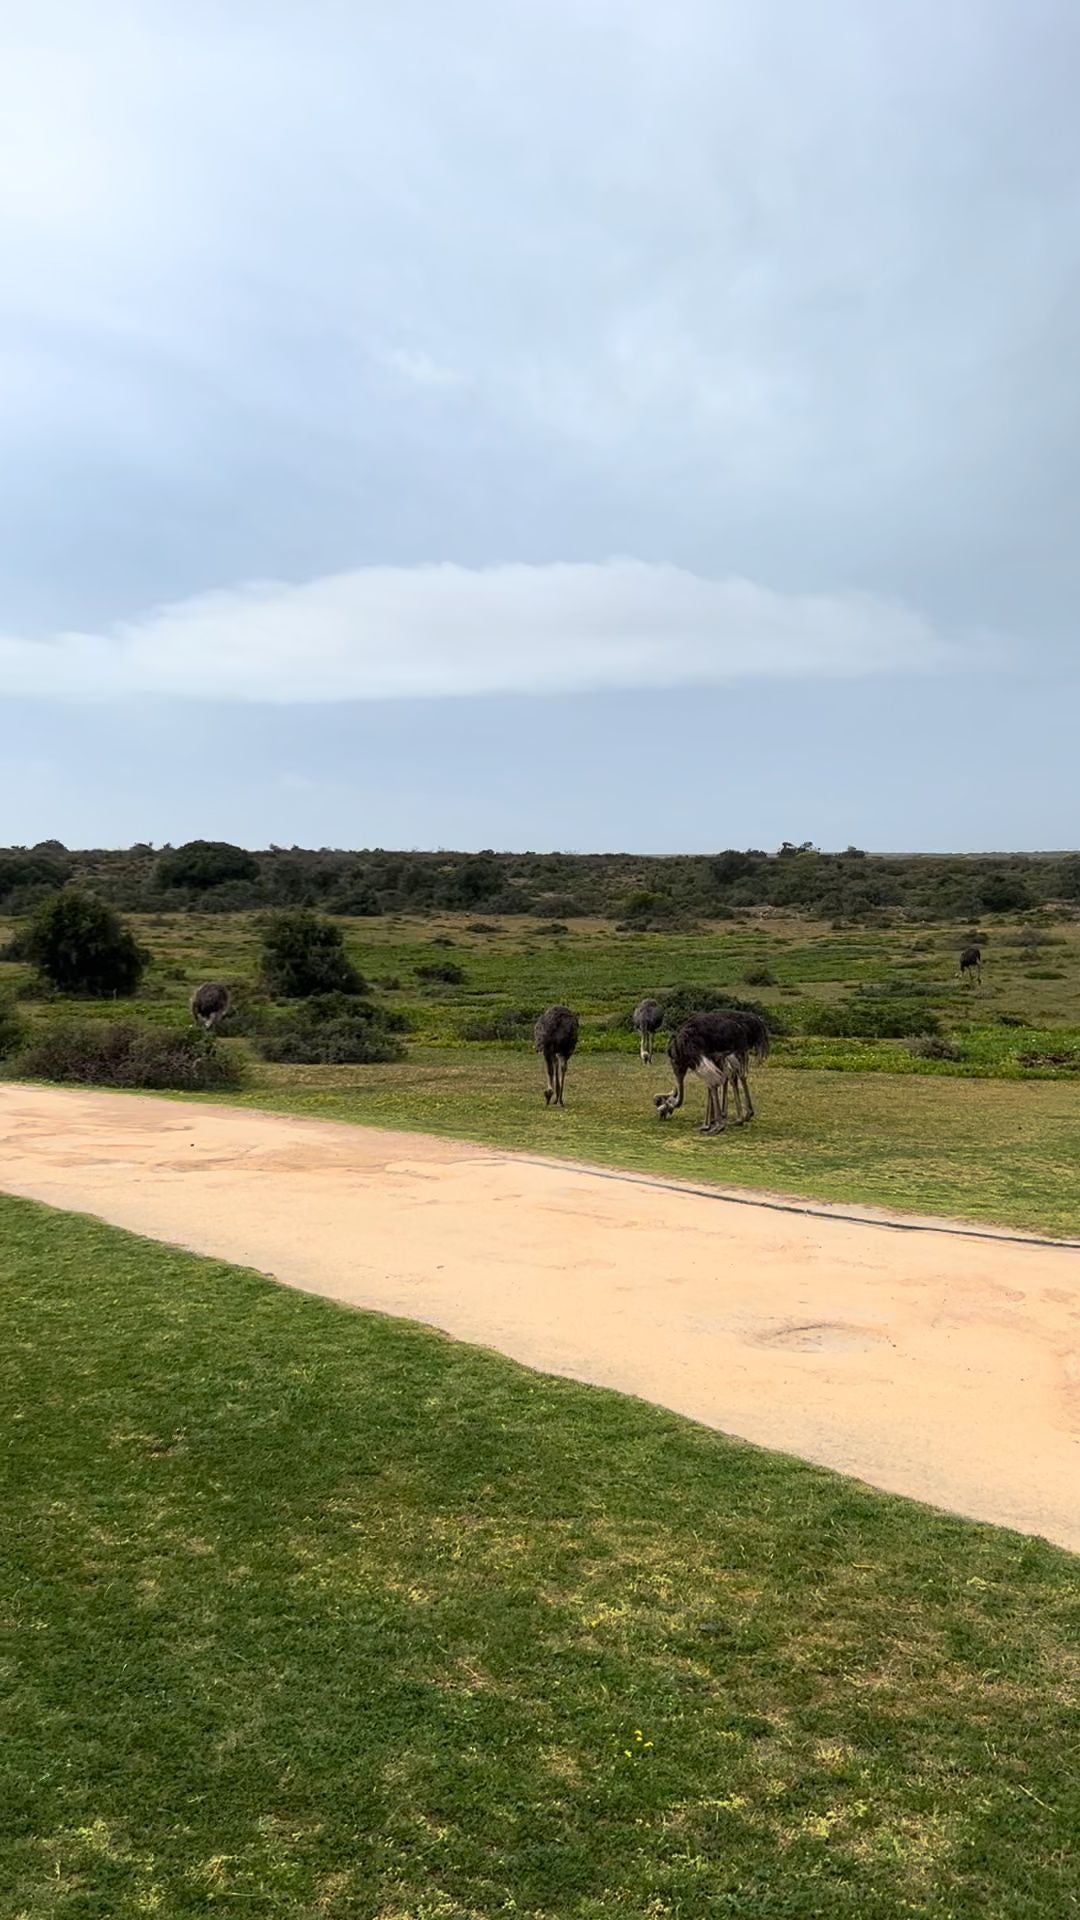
point(309, 1613)
point(994, 1134)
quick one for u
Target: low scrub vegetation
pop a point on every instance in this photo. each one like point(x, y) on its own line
point(121, 1054)
point(12, 1027)
point(862, 1018)
point(303, 953)
point(441, 973)
point(334, 1029)
point(507, 1024)
point(79, 945)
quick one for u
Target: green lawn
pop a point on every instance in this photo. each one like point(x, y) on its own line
point(310, 1613)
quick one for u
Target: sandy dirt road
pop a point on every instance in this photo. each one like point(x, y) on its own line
point(937, 1364)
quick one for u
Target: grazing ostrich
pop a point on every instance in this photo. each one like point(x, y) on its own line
point(209, 1004)
point(556, 1035)
point(717, 1047)
point(647, 1020)
point(971, 963)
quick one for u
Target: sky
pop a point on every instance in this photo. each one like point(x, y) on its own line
point(581, 424)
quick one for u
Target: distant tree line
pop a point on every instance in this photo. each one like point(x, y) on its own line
point(635, 890)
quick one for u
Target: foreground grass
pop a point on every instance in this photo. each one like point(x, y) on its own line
point(985, 1150)
point(310, 1613)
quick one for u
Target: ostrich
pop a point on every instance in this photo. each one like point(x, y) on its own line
point(209, 1004)
point(555, 1035)
point(647, 1020)
point(971, 963)
point(717, 1047)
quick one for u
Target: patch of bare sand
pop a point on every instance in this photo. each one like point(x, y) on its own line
point(933, 1364)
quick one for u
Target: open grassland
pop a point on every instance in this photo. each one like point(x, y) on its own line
point(994, 1133)
point(312, 1613)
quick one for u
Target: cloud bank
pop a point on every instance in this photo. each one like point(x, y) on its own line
point(383, 633)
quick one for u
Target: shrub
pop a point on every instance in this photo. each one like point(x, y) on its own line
point(934, 1046)
point(646, 912)
point(441, 973)
point(442, 940)
point(12, 1028)
point(759, 976)
point(509, 1023)
point(864, 1019)
point(680, 1002)
point(356, 903)
point(122, 1054)
point(554, 929)
point(23, 871)
point(1045, 973)
point(249, 1011)
point(334, 1029)
point(304, 954)
point(80, 945)
point(482, 926)
point(201, 864)
point(1011, 1020)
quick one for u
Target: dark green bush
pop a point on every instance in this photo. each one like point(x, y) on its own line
point(934, 1046)
point(25, 870)
point(441, 973)
point(201, 864)
point(80, 945)
point(121, 1054)
point(680, 1002)
point(304, 954)
point(509, 1023)
point(759, 975)
point(860, 1018)
point(12, 1027)
point(334, 1029)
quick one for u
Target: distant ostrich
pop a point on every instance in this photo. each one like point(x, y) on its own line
point(556, 1035)
point(717, 1047)
point(647, 1019)
point(209, 1004)
point(971, 963)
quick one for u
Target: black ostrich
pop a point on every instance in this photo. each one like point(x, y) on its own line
point(209, 1004)
point(556, 1035)
point(717, 1047)
point(971, 963)
point(647, 1020)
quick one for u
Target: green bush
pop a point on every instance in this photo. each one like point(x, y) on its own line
point(759, 976)
point(509, 1023)
point(80, 945)
point(441, 973)
point(201, 864)
point(334, 1029)
point(304, 954)
point(122, 1054)
point(12, 1027)
point(680, 1002)
point(861, 1018)
point(934, 1046)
